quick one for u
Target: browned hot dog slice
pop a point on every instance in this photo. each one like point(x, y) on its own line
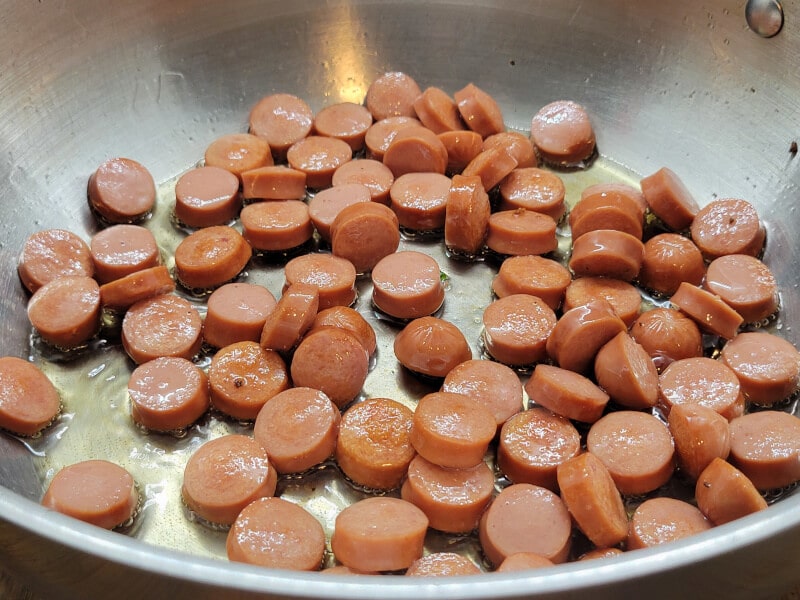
point(724, 493)
point(346, 121)
point(667, 335)
point(291, 318)
point(669, 260)
point(419, 200)
point(275, 533)
point(534, 189)
point(462, 147)
point(431, 346)
point(168, 393)
point(28, 400)
point(626, 372)
point(607, 253)
point(534, 275)
point(326, 204)
point(581, 332)
point(207, 196)
point(562, 133)
point(636, 448)
point(521, 232)
point(492, 166)
point(708, 310)
point(566, 393)
point(624, 298)
point(225, 475)
point(281, 120)
point(364, 233)
point(373, 175)
point(407, 285)
point(669, 199)
point(333, 276)
point(53, 253)
point(122, 190)
point(392, 94)
point(765, 446)
point(127, 291)
point(728, 226)
point(442, 564)
point(466, 216)
point(379, 534)
point(661, 520)
point(210, 257)
point(298, 428)
point(332, 360)
point(745, 283)
point(276, 226)
point(593, 500)
point(415, 150)
point(348, 318)
point(526, 518)
point(243, 377)
point(374, 446)
point(532, 445)
point(516, 144)
point(452, 430)
point(437, 111)
point(276, 182)
point(95, 491)
point(516, 329)
point(382, 133)
point(700, 434)
point(238, 152)
point(164, 325)
point(319, 157)
point(492, 383)
point(66, 311)
point(479, 110)
point(120, 250)
point(701, 380)
point(452, 499)
point(236, 312)
point(767, 366)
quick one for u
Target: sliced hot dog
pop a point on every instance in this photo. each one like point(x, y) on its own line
point(127, 291)
point(372, 174)
point(606, 211)
point(626, 372)
point(164, 325)
point(452, 499)
point(724, 493)
point(207, 196)
point(521, 232)
point(236, 312)
point(168, 393)
point(566, 393)
point(708, 310)
point(533, 189)
point(669, 199)
point(636, 448)
point(243, 377)
point(442, 564)
point(522, 561)
point(516, 144)
point(516, 329)
point(621, 191)
point(332, 360)
point(462, 147)
point(364, 233)
point(728, 226)
point(431, 346)
point(534, 275)
point(53, 253)
point(765, 446)
point(211, 257)
point(326, 204)
point(661, 520)
point(452, 430)
point(466, 216)
point(437, 111)
point(492, 166)
point(767, 366)
point(281, 120)
point(533, 444)
point(497, 386)
point(298, 428)
point(29, 402)
point(374, 446)
point(276, 182)
point(407, 285)
point(526, 518)
point(66, 311)
point(667, 335)
point(701, 380)
point(419, 200)
point(122, 190)
point(120, 250)
point(238, 152)
point(669, 260)
point(346, 121)
point(275, 533)
point(379, 534)
point(624, 298)
point(319, 157)
point(745, 284)
point(351, 320)
point(479, 110)
point(382, 133)
point(607, 253)
point(225, 475)
point(95, 491)
point(292, 317)
point(701, 434)
point(593, 500)
point(276, 226)
point(392, 94)
point(333, 276)
point(415, 150)
point(562, 133)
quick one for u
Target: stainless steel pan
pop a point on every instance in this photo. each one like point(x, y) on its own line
point(683, 84)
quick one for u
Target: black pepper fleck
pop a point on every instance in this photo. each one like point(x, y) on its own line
point(793, 148)
point(238, 382)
